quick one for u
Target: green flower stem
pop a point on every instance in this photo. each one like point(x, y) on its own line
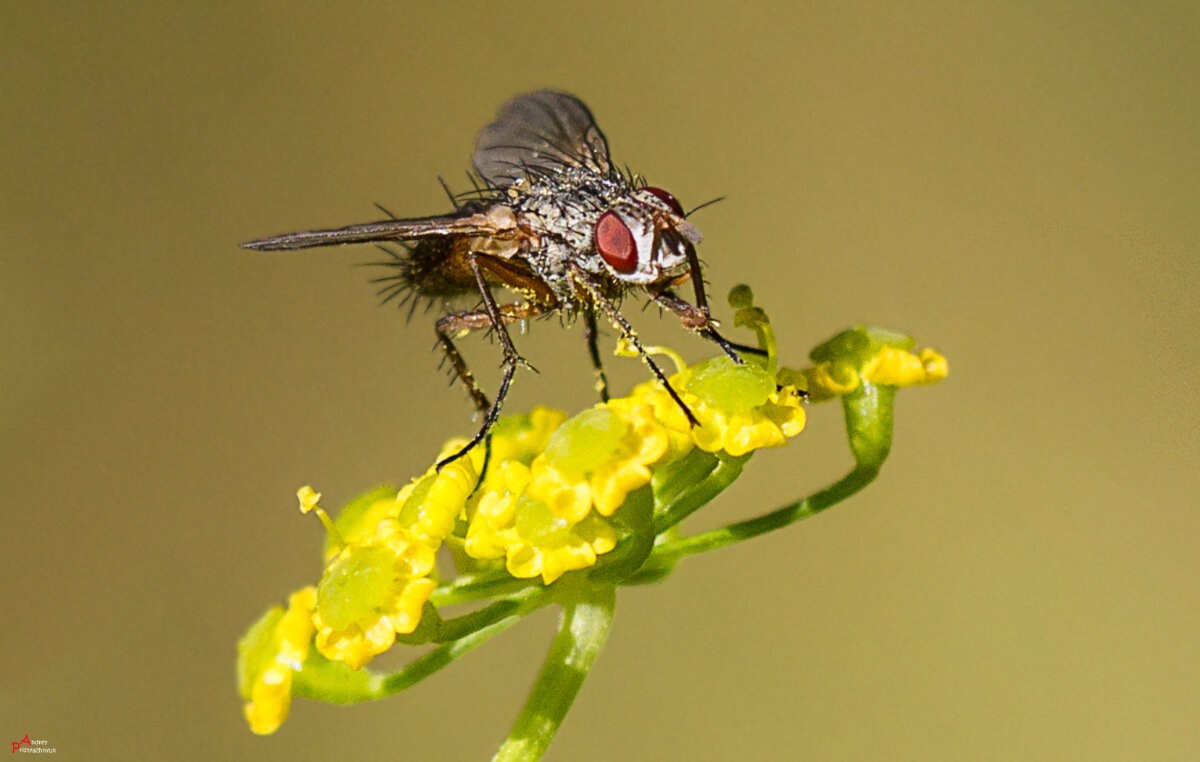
point(444, 656)
point(666, 553)
point(586, 622)
point(478, 587)
point(868, 413)
point(461, 626)
point(700, 492)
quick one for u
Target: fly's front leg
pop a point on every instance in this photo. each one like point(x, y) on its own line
point(697, 276)
point(696, 317)
point(614, 315)
point(698, 320)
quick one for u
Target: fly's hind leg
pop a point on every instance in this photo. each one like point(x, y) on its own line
point(492, 316)
point(460, 323)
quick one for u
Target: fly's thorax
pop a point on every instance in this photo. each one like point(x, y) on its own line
point(559, 215)
point(567, 204)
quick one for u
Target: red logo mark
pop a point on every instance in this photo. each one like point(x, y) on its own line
point(17, 744)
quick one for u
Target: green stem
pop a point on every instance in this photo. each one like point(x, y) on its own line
point(586, 622)
point(851, 483)
point(461, 626)
point(478, 587)
point(700, 491)
point(449, 653)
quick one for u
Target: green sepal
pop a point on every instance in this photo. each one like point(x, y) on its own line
point(355, 585)
point(730, 387)
point(585, 440)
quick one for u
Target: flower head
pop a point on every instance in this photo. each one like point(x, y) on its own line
point(430, 507)
point(534, 539)
point(269, 654)
point(509, 523)
point(871, 355)
point(372, 590)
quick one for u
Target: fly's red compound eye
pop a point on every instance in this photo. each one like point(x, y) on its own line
point(615, 243)
point(666, 198)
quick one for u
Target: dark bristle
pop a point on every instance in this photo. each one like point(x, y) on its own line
point(695, 209)
point(381, 208)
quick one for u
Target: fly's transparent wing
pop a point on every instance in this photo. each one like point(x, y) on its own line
point(538, 133)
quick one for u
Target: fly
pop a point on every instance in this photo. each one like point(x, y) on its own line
point(555, 223)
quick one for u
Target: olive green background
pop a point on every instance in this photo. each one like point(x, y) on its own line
point(1014, 184)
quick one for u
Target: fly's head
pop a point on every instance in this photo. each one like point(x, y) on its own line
point(644, 237)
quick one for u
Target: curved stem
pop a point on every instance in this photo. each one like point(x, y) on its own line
point(586, 622)
point(668, 552)
point(701, 488)
point(480, 587)
point(455, 650)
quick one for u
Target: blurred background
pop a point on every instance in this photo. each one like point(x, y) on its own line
point(1015, 185)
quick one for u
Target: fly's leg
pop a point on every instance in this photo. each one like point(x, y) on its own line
point(698, 320)
point(590, 334)
point(708, 330)
point(459, 323)
point(697, 317)
point(697, 276)
point(492, 316)
point(614, 315)
point(456, 324)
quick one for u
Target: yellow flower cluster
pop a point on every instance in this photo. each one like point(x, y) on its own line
point(549, 502)
point(371, 591)
point(550, 494)
point(377, 576)
point(868, 355)
point(270, 653)
point(741, 408)
point(551, 514)
point(546, 505)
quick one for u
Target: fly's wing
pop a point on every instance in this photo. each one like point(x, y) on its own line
point(490, 224)
point(539, 133)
